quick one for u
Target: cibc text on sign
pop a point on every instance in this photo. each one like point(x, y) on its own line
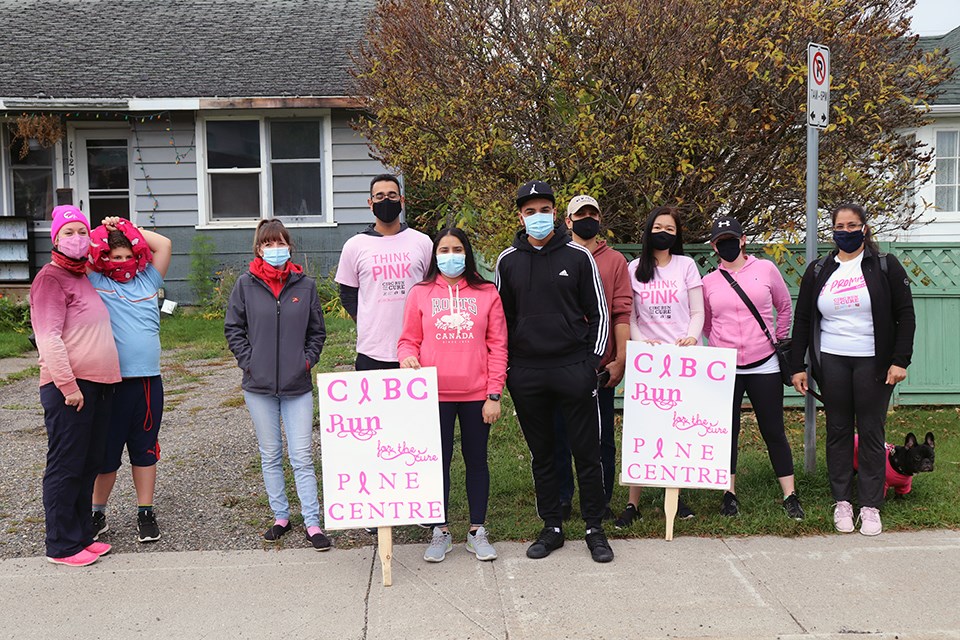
point(818, 85)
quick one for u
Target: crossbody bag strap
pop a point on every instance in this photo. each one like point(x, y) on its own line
point(747, 301)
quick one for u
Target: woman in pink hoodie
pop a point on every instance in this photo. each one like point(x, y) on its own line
point(454, 321)
point(729, 323)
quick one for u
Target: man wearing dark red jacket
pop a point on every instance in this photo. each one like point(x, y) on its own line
point(558, 326)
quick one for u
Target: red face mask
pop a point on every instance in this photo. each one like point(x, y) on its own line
point(121, 271)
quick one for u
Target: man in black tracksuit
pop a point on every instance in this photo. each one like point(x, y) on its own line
point(557, 323)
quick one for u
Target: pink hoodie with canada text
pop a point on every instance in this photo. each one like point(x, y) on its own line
point(460, 330)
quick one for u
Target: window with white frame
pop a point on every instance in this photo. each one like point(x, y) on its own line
point(265, 167)
point(948, 155)
point(31, 178)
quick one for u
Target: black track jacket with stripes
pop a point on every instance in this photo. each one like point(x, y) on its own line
point(553, 300)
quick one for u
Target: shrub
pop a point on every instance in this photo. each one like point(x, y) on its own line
point(14, 316)
point(329, 292)
point(202, 268)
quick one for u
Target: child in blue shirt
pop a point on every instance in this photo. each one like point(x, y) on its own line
point(128, 267)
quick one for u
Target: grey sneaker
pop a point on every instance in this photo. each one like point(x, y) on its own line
point(442, 543)
point(478, 544)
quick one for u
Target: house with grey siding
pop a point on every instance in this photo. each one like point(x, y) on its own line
point(187, 116)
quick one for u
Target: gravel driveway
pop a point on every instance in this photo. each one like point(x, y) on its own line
point(209, 488)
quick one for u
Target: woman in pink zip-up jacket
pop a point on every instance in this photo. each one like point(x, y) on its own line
point(454, 321)
point(729, 323)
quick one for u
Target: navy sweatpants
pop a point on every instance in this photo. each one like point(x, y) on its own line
point(536, 395)
point(608, 448)
point(75, 447)
point(474, 435)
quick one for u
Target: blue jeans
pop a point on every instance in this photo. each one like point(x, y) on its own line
point(297, 413)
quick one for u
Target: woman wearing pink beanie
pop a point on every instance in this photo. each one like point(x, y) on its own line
point(78, 367)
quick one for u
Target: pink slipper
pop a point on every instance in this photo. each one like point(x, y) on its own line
point(99, 548)
point(81, 559)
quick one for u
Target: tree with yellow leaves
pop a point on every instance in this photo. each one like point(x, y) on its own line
point(696, 103)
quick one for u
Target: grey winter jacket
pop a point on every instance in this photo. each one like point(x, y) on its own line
point(276, 340)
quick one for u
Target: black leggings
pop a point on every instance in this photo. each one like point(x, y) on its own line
point(474, 433)
point(853, 397)
point(765, 391)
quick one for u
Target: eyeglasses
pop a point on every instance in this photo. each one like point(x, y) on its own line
point(853, 226)
point(380, 197)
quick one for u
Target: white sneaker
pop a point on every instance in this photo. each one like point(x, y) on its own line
point(870, 521)
point(442, 543)
point(843, 517)
point(478, 544)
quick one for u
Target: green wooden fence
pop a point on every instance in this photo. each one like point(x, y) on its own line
point(934, 269)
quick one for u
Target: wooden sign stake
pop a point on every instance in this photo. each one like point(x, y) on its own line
point(385, 546)
point(670, 498)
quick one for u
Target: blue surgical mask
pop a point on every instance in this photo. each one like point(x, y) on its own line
point(276, 256)
point(451, 264)
point(538, 225)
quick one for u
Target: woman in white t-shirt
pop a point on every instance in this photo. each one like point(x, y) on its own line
point(855, 316)
point(667, 304)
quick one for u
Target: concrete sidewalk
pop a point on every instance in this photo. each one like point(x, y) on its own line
point(897, 585)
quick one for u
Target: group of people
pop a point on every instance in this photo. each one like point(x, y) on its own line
point(553, 329)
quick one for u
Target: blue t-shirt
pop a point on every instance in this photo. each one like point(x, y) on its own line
point(135, 320)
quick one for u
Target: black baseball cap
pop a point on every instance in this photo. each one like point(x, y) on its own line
point(726, 226)
point(534, 189)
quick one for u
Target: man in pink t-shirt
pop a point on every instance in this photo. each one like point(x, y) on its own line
point(377, 268)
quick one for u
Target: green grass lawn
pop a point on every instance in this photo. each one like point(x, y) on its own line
point(13, 343)
point(512, 514)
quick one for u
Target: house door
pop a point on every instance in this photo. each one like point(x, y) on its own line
point(103, 174)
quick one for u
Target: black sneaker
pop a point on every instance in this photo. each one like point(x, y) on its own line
point(276, 532)
point(600, 549)
point(566, 511)
point(791, 504)
point(373, 530)
point(627, 517)
point(730, 506)
point(320, 541)
point(99, 519)
point(683, 511)
point(147, 528)
point(548, 541)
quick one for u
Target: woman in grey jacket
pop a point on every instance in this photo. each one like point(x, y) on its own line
point(274, 327)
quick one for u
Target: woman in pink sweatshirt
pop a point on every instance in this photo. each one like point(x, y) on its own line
point(729, 323)
point(78, 368)
point(454, 321)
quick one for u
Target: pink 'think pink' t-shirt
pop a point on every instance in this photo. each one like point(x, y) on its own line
point(662, 305)
point(383, 268)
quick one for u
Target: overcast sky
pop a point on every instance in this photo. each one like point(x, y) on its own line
point(934, 17)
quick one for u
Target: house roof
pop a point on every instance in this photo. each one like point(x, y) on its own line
point(951, 42)
point(178, 48)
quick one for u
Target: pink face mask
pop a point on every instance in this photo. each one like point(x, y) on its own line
point(75, 246)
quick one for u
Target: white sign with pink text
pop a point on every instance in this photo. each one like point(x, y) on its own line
point(677, 410)
point(380, 445)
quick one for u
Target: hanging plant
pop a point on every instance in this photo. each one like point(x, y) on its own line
point(47, 130)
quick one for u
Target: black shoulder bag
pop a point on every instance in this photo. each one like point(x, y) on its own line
point(781, 348)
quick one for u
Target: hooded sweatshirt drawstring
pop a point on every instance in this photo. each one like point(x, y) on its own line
point(455, 310)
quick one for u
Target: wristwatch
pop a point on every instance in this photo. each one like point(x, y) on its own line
point(494, 396)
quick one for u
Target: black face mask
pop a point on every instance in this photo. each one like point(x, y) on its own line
point(387, 210)
point(661, 240)
point(729, 248)
point(848, 241)
point(586, 228)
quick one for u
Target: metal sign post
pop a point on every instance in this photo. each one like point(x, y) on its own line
point(818, 117)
